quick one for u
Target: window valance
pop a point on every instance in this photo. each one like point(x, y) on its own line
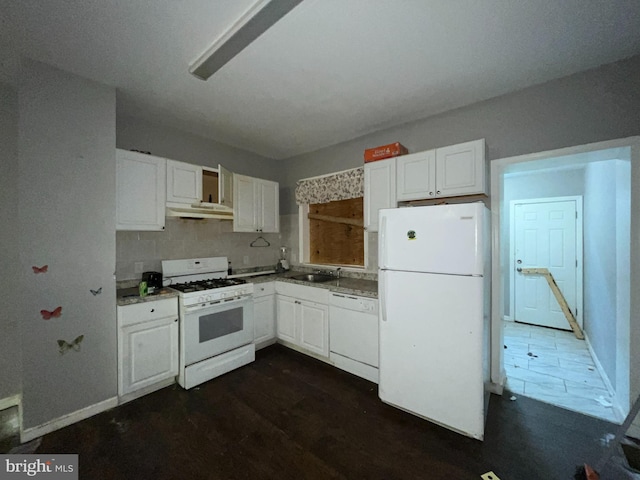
point(330, 188)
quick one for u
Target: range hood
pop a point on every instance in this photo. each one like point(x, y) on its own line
point(199, 210)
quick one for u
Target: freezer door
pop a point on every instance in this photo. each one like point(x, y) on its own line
point(431, 348)
point(437, 239)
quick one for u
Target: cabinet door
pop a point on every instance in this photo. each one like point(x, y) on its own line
point(286, 319)
point(264, 318)
point(184, 182)
point(225, 186)
point(148, 353)
point(314, 327)
point(379, 190)
point(268, 206)
point(244, 204)
point(416, 176)
point(140, 191)
point(461, 169)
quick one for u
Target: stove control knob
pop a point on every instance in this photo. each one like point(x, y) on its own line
point(201, 299)
point(223, 295)
point(208, 298)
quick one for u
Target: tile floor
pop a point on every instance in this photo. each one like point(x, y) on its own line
point(553, 366)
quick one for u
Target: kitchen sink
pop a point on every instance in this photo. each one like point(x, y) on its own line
point(314, 277)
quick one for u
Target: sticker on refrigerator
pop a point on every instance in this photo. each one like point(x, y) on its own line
point(411, 235)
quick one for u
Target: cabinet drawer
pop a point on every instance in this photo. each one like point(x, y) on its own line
point(302, 292)
point(143, 312)
point(262, 289)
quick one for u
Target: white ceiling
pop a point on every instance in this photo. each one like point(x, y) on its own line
point(330, 71)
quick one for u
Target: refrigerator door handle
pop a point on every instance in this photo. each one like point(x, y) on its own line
point(382, 293)
point(382, 244)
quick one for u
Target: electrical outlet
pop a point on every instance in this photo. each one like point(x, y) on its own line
point(245, 260)
point(138, 267)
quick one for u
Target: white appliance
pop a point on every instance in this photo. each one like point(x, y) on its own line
point(353, 334)
point(434, 274)
point(216, 318)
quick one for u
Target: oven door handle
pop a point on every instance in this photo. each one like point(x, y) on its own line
point(218, 303)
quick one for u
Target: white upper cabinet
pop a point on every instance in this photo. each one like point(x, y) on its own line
point(217, 186)
point(140, 191)
point(184, 182)
point(256, 205)
point(416, 176)
point(461, 169)
point(225, 187)
point(444, 172)
point(379, 190)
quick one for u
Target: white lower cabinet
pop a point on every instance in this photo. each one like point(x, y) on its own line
point(303, 317)
point(147, 347)
point(264, 314)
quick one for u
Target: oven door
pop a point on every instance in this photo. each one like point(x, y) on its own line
point(216, 328)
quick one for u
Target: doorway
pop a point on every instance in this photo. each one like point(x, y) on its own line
point(572, 172)
point(546, 233)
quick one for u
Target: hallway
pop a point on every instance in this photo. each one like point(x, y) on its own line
point(553, 366)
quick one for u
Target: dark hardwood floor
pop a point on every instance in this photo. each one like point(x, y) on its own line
point(289, 416)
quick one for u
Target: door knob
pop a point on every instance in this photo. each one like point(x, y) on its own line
point(518, 269)
point(518, 261)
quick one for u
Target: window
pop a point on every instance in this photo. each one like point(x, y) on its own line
point(332, 219)
point(336, 232)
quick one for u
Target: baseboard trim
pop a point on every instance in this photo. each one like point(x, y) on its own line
point(66, 420)
point(615, 403)
point(12, 401)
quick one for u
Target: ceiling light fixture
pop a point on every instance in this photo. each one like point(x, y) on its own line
point(261, 16)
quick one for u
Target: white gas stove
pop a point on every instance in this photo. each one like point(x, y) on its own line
point(216, 318)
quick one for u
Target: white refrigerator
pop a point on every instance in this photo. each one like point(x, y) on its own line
point(434, 274)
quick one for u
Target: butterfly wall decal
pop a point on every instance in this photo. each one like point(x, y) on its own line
point(47, 315)
point(42, 269)
point(96, 292)
point(64, 346)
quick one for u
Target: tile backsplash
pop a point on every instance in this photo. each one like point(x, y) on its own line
point(186, 238)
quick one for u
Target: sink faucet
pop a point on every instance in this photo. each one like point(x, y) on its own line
point(337, 272)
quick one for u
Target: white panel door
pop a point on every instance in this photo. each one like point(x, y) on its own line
point(438, 239)
point(269, 206)
point(545, 237)
point(184, 182)
point(314, 327)
point(431, 347)
point(140, 191)
point(286, 319)
point(244, 204)
point(379, 190)
point(461, 169)
point(149, 352)
point(225, 186)
point(416, 176)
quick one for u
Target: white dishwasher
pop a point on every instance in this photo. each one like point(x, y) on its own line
point(353, 334)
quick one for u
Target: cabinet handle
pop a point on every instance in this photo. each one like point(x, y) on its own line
point(438, 192)
point(176, 320)
point(153, 310)
point(431, 194)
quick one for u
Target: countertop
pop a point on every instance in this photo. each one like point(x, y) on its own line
point(130, 296)
point(347, 285)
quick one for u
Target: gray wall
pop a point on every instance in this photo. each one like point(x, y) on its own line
point(606, 214)
point(136, 134)
point(66, 183)
point(595, 105)
point(10, 383)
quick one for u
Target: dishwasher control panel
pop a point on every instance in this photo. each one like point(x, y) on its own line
point(352, 302)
